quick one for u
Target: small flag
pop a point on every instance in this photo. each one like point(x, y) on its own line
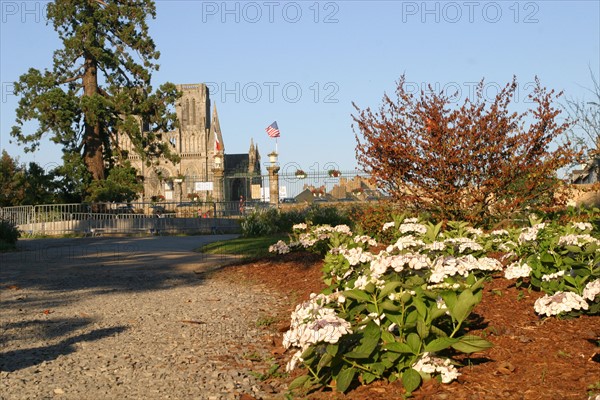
point(273, 130)
point(217, 144)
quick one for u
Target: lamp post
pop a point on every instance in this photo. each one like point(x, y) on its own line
point(273, 179)
point(218, 172)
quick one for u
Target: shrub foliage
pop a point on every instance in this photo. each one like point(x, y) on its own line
point(472, 162)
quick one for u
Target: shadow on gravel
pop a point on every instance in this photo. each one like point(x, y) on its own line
point(18, 359)
point(107, 264)
point(43, 329)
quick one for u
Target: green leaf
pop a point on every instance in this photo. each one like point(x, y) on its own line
point(422, 329)
point(414, 342)
point(358, 295)
point(411, 380)
point(398, 347)
point(573, 249)
point(546, 257)
point(387, 337)
point(420, 306)
point(464, 305)
point(332, 349)
point(344, 379)
point(439, 344)
point(389, 288)
point(389, 305)
point(370, 340)
point(299, 381)
point(324, 361)
point(471, 344)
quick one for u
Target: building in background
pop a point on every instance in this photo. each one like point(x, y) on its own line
point(197, 141)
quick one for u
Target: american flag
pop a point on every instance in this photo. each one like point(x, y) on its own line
point(273, 130)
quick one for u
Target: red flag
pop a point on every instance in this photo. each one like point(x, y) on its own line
point(217, 144)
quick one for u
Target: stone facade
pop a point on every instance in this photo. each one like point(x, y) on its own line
point(196, 142)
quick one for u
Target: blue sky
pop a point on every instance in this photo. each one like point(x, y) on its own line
point(303, 63)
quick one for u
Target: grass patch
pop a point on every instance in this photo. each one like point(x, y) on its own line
point(254, 247)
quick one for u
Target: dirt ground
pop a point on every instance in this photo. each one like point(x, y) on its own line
point(532, 358)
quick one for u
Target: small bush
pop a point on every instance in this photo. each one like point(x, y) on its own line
point(8, 233)
point(260, 223)
point(329, 215)
point(369, 218)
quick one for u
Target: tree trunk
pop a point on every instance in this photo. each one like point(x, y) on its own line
point(92, 140)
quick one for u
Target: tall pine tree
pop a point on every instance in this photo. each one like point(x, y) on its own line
point(99, 85)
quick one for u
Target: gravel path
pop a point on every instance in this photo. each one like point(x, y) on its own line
point(127, 318)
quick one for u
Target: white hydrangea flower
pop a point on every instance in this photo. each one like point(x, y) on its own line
point(430, 365)
point(446, 266)
point(299, 227)
point(517, 270)
point(306, 240)
point(296, 358)
point(499, 232)
point(549, 277)
point(583, 226)
point(412, 227)
point(280, 248)
point(435, 246)
point(406, 242)
point(474, 231)
point(356, 256)
point(559, 302)
point(489, 264)
point(365, 239)
point(577, 240)
point(507, 246)
point(530, 234)
point(312, 323)
point(591, 290)
point(388, 225)
point(345, 229)
point(361, 282)
point(464, 244)
point(444, 286)
point(412, 220)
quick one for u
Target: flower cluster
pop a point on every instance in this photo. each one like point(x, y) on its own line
point(364, 239)
point(313, 323)
point(559, 302)
point(530, 234)
point(577, 240)
point(279, 248)
point(549, 277)
point(447, 266)
point(412, 228)
point(591, 290)
point(464, 244)
point(583, 226)
point(300, 227)
point(517, 270)
point(430, 364)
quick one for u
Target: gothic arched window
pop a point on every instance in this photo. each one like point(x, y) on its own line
point(193, 111)
point(186, 112)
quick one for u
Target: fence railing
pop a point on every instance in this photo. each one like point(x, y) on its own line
point(153, 218)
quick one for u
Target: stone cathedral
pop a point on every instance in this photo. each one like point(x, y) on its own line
point(205, 172)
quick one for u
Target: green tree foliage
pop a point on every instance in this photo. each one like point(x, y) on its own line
point(119, 186)
point(478, 161)
point(25, 185)
point(99, 85)
point(11, 192)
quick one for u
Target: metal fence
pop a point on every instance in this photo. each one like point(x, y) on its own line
point(143, 218)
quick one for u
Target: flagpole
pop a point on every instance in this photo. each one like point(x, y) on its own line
point(276, 145)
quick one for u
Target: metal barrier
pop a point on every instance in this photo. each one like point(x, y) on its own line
point(135, 218)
